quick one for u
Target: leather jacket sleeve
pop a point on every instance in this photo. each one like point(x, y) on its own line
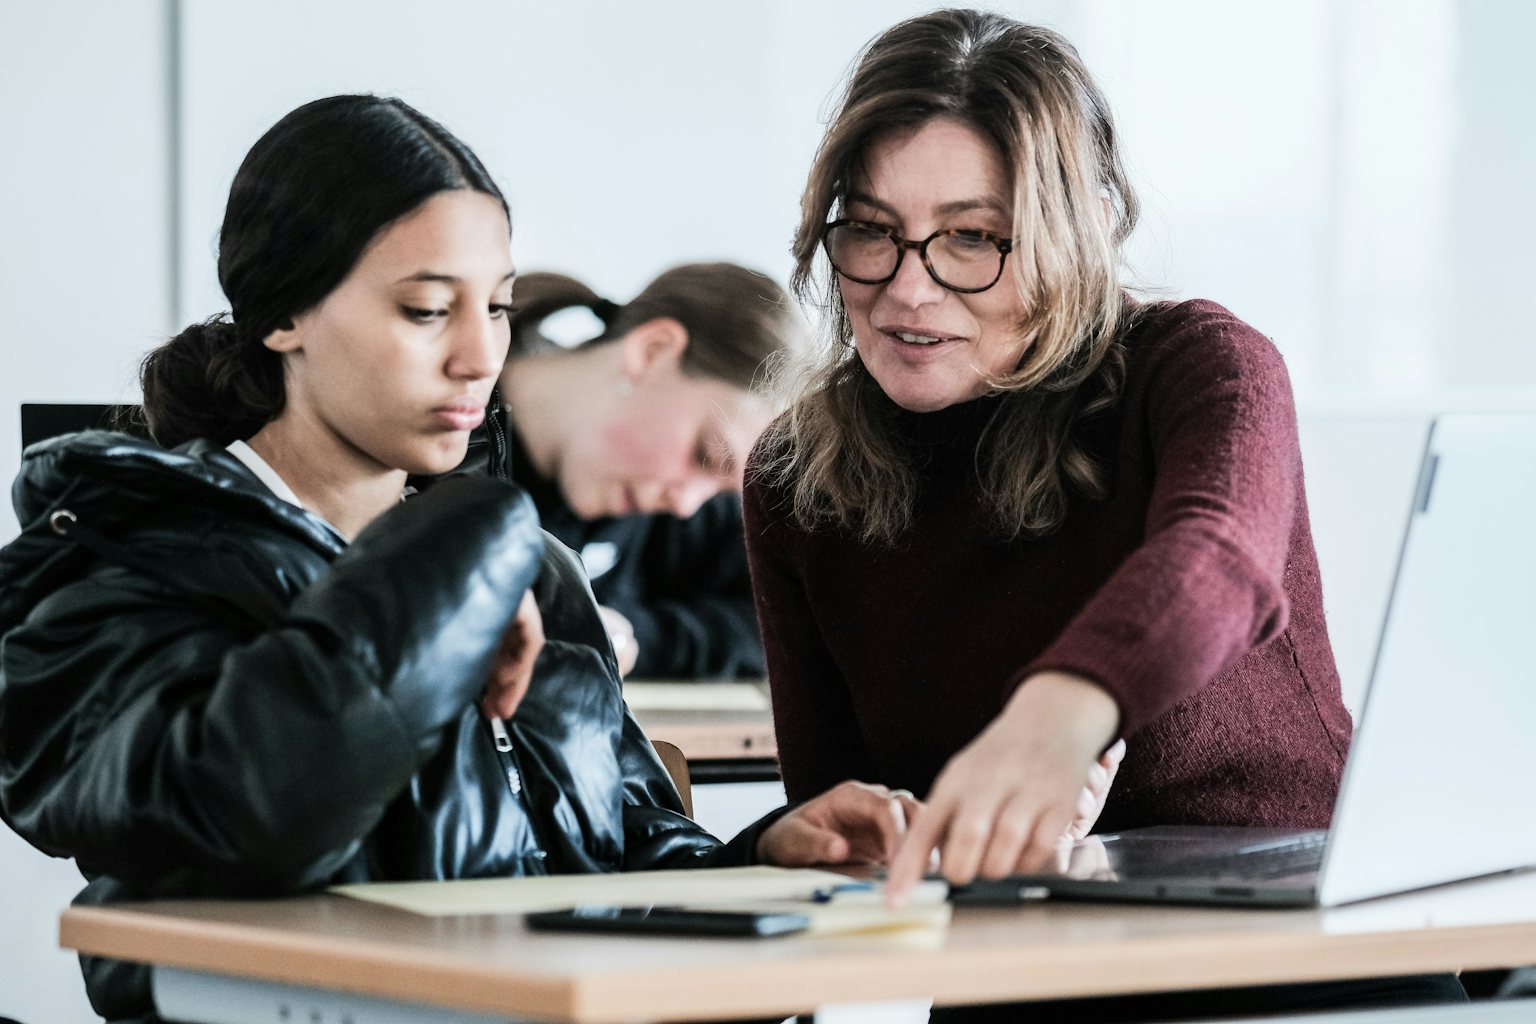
point(657, 833)
point(178, 756)
point(592, 757)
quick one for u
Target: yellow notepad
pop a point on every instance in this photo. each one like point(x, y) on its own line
point(839, 918)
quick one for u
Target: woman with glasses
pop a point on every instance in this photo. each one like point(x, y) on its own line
point(631, 445)
point(1016, 515)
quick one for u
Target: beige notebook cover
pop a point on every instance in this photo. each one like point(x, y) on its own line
point(698, 887)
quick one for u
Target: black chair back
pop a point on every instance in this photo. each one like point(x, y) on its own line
point(42, 420)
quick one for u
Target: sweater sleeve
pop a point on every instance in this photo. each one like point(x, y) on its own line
point(1206, 585)
point(817, 730)
point(178, 756)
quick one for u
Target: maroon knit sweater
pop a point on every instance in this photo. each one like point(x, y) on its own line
point(1191, 593)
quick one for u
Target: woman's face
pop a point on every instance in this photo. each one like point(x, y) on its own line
point(394, 367)
point(926, 346)
point(669, 444)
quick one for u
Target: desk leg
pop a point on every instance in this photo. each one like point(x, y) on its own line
point(197, 998)
point(903, 1011)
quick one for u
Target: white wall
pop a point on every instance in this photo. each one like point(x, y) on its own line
point(1493, 221)
point(84, 205)
point(1346, 175)
point(1350, 176)
point(84, 288)
point(627, 137)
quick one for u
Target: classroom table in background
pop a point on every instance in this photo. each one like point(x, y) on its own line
point(724, 729)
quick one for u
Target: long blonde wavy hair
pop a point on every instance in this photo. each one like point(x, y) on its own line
point(1025, 90)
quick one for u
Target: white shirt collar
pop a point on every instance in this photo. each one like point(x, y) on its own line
point(264, 472)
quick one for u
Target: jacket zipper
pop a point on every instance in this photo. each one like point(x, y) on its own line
point(507, 754)
point(497, 461)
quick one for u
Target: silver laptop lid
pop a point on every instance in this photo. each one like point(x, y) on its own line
point(1436, 787)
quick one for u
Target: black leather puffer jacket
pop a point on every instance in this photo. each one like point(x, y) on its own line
point(205, 691)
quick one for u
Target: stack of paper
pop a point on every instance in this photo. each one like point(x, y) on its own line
point(699, 887)
point(833, 902)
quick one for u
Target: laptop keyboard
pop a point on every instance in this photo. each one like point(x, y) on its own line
point(1296, 856)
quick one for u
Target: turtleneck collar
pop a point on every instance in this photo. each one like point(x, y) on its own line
point(953, 430)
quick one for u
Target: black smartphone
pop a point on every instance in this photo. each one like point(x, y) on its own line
point(669, 921)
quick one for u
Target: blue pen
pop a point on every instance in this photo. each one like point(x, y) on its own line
point(831, 892)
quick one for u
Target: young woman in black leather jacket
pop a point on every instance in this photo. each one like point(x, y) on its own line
point(238, 663)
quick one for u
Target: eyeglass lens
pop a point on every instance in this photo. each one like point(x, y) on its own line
point(956, 260)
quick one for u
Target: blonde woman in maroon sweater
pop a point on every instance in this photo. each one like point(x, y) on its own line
point(1015, 515)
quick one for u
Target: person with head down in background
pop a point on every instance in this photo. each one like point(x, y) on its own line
point(632, 444)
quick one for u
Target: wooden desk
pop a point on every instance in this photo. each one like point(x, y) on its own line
point(705, 735)
point(711, 729)
point(490, 963)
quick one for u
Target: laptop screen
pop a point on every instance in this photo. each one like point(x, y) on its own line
point(1436, 784)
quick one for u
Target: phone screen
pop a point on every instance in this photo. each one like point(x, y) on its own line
point(669, 921)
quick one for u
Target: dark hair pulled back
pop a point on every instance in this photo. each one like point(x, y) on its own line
point(308, 198)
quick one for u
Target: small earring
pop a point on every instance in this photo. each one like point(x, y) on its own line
point(625, 387)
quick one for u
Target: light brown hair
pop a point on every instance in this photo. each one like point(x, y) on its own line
point(739, 322)
point(1024, 90)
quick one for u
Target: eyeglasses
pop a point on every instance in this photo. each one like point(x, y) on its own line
point(960, 259)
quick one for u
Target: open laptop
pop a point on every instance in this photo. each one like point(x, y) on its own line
point(1436, 786)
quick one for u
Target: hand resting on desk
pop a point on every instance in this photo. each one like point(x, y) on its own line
point(851, 823)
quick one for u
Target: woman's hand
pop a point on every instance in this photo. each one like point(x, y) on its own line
point(621, 633)
point(1090, 802)
point(851, 823)
point(512, 671)
point(1004, 802)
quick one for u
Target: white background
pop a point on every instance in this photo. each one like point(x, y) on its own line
point(1352, 177)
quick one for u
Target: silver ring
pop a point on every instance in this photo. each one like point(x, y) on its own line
point(58, 519)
